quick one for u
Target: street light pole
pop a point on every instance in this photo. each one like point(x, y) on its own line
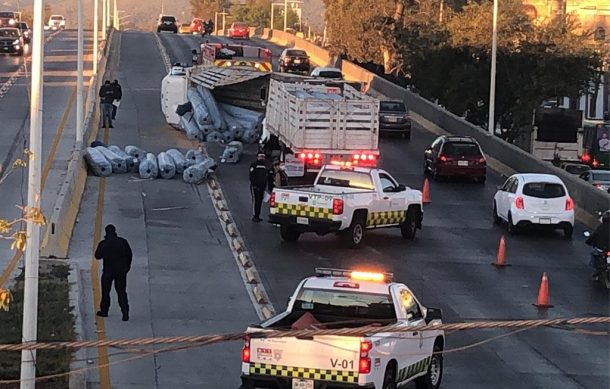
point(32, 252)
point(224, 20)
point(285, 15)
point(104, 19)
point(492, 85)
point(96, 34)
point(115, 16)
point(79, 75)
point(272, 13)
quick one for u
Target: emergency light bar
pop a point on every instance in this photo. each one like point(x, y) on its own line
point(354, 274)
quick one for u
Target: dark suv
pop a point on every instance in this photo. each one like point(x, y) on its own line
point(455, 156)
point(11, 41)
point(167, 23)
point(293, 60)
point(394, 118)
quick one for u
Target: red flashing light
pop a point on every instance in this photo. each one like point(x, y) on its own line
point(337, 206)
point(316, 161)
point(569, 204)
point(519, 203)
point(595, 163)
point(316, 156)
point(303, 155)
point(585, 158)
point(364, 365)
point(371, 157)
point(272, 200)
point(245, 351)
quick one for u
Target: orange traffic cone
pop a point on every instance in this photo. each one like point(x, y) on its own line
point(426, 192)
point(543, 293)
point(501, 257)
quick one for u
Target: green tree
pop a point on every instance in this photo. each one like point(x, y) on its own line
point(207, 8)
point(257, 13)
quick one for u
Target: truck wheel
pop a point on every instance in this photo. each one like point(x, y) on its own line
point(289, 234)
point(432, 379)
point(389, 378)
point(408, 228)
point(354, 234)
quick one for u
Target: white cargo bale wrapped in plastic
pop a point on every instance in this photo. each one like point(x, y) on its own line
point(194, 157)
point(179, 160)
point(167, 169)
point(189, 125)
point(137, 153)
point(96, 161)
point(119, 165)
point(199, 172)
point(129, 160)
point(232, 152)
point(211, 106)
point(148, 167)
point(200, 109)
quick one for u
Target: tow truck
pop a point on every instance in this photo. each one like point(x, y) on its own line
point(338, 299)
point(348, 200)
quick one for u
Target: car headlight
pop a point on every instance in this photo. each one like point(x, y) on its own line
point(62, 23)
point(12, 22)
point(16, 42)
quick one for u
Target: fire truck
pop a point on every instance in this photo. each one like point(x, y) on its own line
point(231, 56)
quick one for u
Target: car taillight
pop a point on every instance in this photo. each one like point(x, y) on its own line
point(569, 204)
point(519, 203)
point(311, 158)
point(595, 163)
point(245, 351)
point(272, 200)
point(364, 158)
point(364, 365)
point(585, 158)
point(482, 161)
point(442, 158)
point(337, 206)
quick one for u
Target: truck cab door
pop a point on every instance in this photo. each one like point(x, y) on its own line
point(392, 198)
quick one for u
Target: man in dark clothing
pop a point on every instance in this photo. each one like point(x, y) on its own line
point(259, 175)
point(106, 98)
point(600, 239)
point(118, 95)
point(117, 257)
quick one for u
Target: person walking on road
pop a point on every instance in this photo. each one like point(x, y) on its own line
point(117, 256)
point(106, 98)
point(259, 175)
point(117, 95)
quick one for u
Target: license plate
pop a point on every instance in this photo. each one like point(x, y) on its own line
point(302, 220)
point(608, 260)
point(462, 163)
point(393, 120)
point(297, 61)
point(298, 383)
point(545, 220)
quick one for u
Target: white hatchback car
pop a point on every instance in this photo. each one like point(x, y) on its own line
point(541, 199)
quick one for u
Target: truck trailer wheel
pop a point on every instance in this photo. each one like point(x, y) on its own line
point(432, 379)
point(289, 234)
point(355, 233)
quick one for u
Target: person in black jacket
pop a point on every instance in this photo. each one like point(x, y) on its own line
point(118, 95)
point(259, 175)
point(600, 239)
point(117, 256)
point(106, 98)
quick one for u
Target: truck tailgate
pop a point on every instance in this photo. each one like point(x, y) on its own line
point(303, 204)
point(329, 356)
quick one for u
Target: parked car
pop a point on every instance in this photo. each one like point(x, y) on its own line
point(26, 31)
point(185, 28)
point(57, 22)
point(598, 178)
point(167, 23)
point(394, 118)
point(325, 72)
point(574, 167)
point(9, 18)
point(534, 199)
point(11, 40)
point(293, 60)
point(239, 30)
point(196, 26)
point(455, 156)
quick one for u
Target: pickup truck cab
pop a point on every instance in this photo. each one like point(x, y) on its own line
point(346, 200)
point(339, 299)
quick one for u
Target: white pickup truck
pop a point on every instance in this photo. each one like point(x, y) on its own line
point(338, 298)
point(346, 200)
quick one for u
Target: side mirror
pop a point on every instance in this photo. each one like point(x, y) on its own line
point(401, 188)
point(587, 234)
point(433, 314)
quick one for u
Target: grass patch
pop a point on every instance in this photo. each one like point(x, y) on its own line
point(55, 323)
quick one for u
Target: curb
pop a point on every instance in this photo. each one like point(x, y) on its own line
point(77, 379)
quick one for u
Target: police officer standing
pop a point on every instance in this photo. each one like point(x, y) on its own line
point(117, 256)
point(259, 175)
point(106, 99)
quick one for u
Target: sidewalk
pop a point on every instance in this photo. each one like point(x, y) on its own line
point(184, 279)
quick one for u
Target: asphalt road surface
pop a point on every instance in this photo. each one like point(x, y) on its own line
point(448, 266)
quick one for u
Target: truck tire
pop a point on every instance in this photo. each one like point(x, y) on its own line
point(354, 235)
point(408, 228)
point(289, 234)
point(389, 377)
point(434, 376)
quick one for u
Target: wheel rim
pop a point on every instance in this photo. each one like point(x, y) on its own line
point(435, 370)
point(357, 235)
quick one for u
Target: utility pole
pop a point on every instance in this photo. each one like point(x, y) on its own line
point(32, 251)
point(492, 84)
point(224, 20)
point(79, 76)
point(104, 19)
point(442, 6)
point(272, 13)
point(96, 36)
point(285, 15)
point(108, 21)
point(115, 16)
point(215, 32)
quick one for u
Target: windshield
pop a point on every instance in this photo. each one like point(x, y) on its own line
point(601, 176)
point(330, 74)
point(9, 32)
point(392, 106)
point(240, 25)
point(461, 149)
point(168, 19)
point(296, 53)
point(7, 15)
point(345, 304)
point(544, 190)
point(576, 169)
point(346, 179)
point(56, 17)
